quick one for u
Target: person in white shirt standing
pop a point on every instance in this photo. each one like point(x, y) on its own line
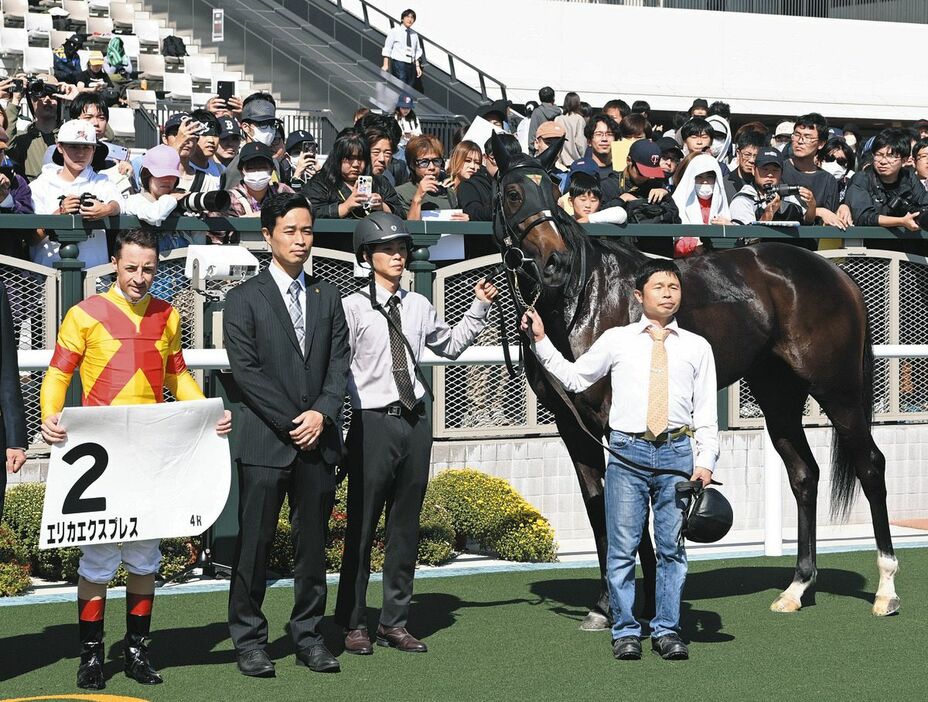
point(389, 441)
point(69, 185)
point(664, 390)
point(402, 51)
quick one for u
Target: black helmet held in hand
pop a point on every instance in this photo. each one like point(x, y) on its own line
point(709, 516)
point(377, 228)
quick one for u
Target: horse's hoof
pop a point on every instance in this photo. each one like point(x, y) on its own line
point(884, 606)
point(594, 621)
point(785, 603)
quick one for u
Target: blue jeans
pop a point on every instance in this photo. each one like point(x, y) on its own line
point(628, 492)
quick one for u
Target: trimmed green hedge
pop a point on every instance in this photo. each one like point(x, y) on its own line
point(459, 506)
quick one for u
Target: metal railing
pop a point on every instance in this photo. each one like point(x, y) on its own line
point(437, 55)
point(911, 11)
point(480, 401)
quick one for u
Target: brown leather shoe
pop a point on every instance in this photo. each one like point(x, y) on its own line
point(397, 637)
point(358, 642)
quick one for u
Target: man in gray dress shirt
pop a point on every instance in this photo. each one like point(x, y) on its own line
point(389, 442)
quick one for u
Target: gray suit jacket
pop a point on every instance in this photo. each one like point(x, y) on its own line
point(274, 379)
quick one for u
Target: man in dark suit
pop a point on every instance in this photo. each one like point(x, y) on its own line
point(11, 398)
point(287, 341)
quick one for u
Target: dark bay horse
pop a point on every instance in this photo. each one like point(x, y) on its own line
point(786, 320)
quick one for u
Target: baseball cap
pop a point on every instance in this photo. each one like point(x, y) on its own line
point(784, 129)
point(78, 131)
point(254, 150)
point(174, 121)
point(550, 130)
point(405, 100)
point(765, 157)
point(229, 126)
point(298, 137)
point(162, 160)
point(259, 110)
point(666, 144)
point(95, 58)
point(646, 155)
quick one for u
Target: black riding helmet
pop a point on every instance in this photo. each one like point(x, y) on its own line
point(710, 517)
point(377, 228)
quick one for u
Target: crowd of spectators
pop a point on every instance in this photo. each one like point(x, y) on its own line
point(611, 164)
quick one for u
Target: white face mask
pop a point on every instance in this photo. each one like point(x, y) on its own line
point(779, 147)
point(850, 140)
point(717, 146)
point(705, 190)
point(834, 169)
point(263, 134)
point(257, 180)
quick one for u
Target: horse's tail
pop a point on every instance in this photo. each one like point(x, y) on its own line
point(843, 473)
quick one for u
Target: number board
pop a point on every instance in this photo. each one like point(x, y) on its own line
point(134, 472)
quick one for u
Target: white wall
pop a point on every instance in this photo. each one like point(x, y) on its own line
point(761, 64)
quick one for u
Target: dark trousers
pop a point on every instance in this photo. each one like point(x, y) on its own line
point(403, 70)
point(388, 466)
point(310, 486)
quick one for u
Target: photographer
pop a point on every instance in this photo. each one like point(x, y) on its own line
point(15, 198)
point(761, 201)
point(886, 194)
point(299, 165)
point(11, 95)
point(427, 189)
point(27, 150)
point(69, 185)
point(256, 164)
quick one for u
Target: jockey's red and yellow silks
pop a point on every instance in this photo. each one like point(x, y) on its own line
point(128, 353)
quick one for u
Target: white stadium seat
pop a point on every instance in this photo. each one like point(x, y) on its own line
point(78, 12)
point(141, 98)
point(199, 68)
point(37, 59)
point(58, 37)
point(130, 43)
point(147, 32)
point(123, 17)
point(122, 121)
point(15, 10)
point(99, 8)
point(39, 29)
point(13, 40)
point(178, 85)
point(151, 66)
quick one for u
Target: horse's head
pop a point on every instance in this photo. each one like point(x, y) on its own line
point(525, 217)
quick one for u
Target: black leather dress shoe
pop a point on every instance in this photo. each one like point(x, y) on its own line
point(627, 648)
point(137, 665)
point(256, 664)
point(670, 647)
point(90, 671)
point(318, 659)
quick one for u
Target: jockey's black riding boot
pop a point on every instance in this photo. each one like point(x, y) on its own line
point(138, 625)
point(137, 665)
point(90, 628)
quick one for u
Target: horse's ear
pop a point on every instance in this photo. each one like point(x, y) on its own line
point(548, 157)
point(499, 153)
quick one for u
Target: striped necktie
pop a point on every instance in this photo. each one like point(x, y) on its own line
point(296, 313)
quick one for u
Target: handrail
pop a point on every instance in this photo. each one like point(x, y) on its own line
point(908, 11)
point(452, 57)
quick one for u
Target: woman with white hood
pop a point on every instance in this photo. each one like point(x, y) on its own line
point(700, 199)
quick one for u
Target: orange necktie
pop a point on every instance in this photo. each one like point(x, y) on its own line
point(657, 385)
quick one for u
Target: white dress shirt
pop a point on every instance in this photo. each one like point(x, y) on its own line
point(397, 48)
point(284, 281)
point(370, 381)
point(626, 352)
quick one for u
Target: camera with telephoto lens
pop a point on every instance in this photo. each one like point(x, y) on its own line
point(900, 206)
point(213, 201)
point(781, 189)
point(38, 88)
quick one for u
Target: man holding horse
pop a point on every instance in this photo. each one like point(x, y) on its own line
point(664, 392)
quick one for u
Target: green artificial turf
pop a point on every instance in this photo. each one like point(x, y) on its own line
point(515, 636)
